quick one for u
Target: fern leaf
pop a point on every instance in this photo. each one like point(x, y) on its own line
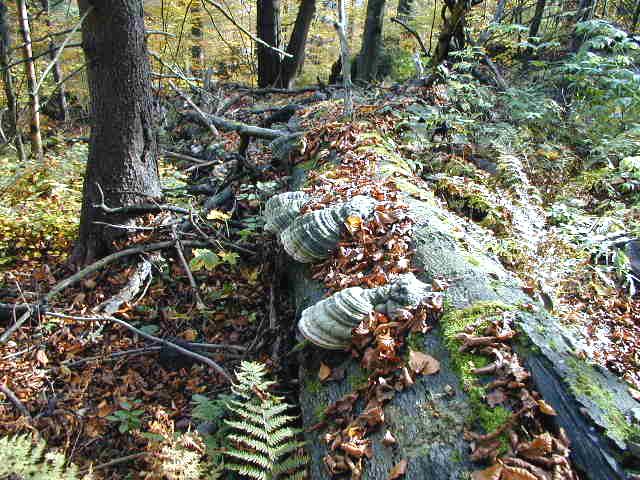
point(249, 457)
point(247, 471)
point(257, 445)
point(249, 429)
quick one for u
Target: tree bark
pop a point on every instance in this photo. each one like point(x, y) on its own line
point(197, 37)
point(123, 149)
point(345, 59)
point(7, 80)
point(450, 29)
point(290, 67)
point(636, 15)
point(57, 70)
point(537, 18)
point(405, 10)
point(367, 63)
point(268, 28)
point(30, 72)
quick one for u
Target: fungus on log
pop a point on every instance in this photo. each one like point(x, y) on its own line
point(429, 419)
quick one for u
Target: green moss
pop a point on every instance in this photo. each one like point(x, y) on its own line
point(455, 322)
point(319, 412)
point(415, 341)
point(585, 383)
point(473, 260)
point(313, 385)
point(358, 379)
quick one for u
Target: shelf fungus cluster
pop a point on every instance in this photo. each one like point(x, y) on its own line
point(330, 322)
point(313, 236)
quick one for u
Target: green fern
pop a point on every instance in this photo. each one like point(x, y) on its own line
point(266, 447)
point(21, 457)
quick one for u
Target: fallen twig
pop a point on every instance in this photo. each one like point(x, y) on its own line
point(200, 113)
point(200, 305)
point(153, 338)
point(129, 291)
point(415, 34)
point(136, 209)
point(116, 461)
point(181, 156)
point(15, 400)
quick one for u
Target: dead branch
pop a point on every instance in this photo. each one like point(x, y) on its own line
point(115, 461)
point(181, 156)
point(200, 305)
point(137, 209)
point(15, 400)
point(200, 113)
point(129, 291)
point(413, 32)
point(196, 356)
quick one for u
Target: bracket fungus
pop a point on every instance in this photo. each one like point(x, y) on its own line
point(329, 323)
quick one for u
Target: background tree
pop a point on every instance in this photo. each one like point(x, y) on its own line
point(123, 150)
point(57, 70)
point(291, 66)
point(367, 63)
point(30, 73)
point(7, 80)
point(268, 28)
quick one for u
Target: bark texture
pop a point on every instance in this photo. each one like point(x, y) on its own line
point(433, 443)
point(367, 64)
point(534, 27)
point(123, 149)
point(268, 28)
point(296, 47)
point(7, 80)
point(30, 72)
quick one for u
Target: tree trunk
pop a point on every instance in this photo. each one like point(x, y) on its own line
point(537, 18)
point(30, 72)
point(290, 67)
point(268, 28)
point(197, 37)
point(7, 80)
point(451, 27)
point(123, 149)
point(367, 63)
point(345, 59)
point(591, 405)
point(405, 10)
point(57, 71)
point(636, 15)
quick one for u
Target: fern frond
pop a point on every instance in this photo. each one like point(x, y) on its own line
point(266, 446)
point(247, 471)
point(249, 457)
point(249, 429)
point(21, 457)
point(257, 445)
point(291, 464)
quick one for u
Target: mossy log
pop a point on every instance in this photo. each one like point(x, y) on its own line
point(594, 407)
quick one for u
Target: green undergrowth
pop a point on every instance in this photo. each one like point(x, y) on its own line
point(40, 204)
point(454, 322)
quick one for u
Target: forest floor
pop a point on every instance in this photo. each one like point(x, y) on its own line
point(109, 399)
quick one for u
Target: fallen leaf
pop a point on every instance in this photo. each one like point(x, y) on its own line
point(218, 215)
point(41, 357)
point(496, 397)
point(388, 439)
point(422, 363)
point(514, 473)
point(105, 409)
point(635, 394)
point(399, 470)
point(189, 335)
point(325, 372)
point(546, 408)
point(353, 223)
point(491, 473)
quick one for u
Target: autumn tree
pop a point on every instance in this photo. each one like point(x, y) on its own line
point(122, 155)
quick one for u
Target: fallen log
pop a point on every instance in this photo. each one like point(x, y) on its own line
point(595, 408)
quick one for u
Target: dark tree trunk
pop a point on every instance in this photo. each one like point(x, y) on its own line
point(537, 18)
point(451, 28)
point(636, 15)
point(585, 11)
point(123, 149)
point(405, 10)
point(269, 31)
point(7, 81)
point(367, 66)
point(57, 70)
point(290, 67)
point(197, 37)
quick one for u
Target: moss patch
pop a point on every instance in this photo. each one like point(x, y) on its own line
point(455, 322)
point(585, 383)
